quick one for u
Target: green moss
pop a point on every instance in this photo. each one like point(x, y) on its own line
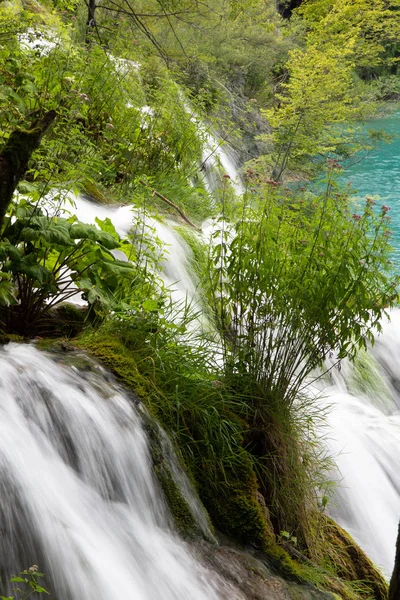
point(5, 338)
point(95, 193)
point(346, 559)
point(233, 503)
point(343, 569)
point(113, 355)
point(184, 521)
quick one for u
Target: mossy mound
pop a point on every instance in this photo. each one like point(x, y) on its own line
point(94, 192)
point(343, 556)
point(234, 505)
point(114, 356)
point(231, 496)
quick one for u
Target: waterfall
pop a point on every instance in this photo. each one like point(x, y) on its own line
point(78, 496)
point(217, 158)
point(174, 272)
point(363, 434)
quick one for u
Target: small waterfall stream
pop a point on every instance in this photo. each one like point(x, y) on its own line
point(363, 436)
point(78, 495)
point(363, 426)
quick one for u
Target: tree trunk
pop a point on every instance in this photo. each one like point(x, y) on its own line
point(15, 156)
point(394, 588)
point(91, 18)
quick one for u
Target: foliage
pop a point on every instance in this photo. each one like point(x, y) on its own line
point(318, 95)
point(45, 260)
point(339, 41)
point(287, 292)
point(386, 88)
point(370, 28)
point(29, 584)
point(118, 120)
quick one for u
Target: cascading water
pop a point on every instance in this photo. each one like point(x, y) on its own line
point(175, 273)
point(215, 158)
point(78, 496)
point(363, 435)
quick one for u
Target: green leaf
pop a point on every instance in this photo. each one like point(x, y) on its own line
point(150, 305)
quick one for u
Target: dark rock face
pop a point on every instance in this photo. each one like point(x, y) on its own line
point(286, 7)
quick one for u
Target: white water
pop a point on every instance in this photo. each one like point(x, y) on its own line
point(364, 438)
point(78, 496)
point(219, 160)
point(173, 253)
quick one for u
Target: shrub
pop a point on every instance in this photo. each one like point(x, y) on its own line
point(293, 280)
point(45, 260)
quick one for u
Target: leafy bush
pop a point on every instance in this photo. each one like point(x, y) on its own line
point(45, 260)
point(28, 584)
point(293, 280)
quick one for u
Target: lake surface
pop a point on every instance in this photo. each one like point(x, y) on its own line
point(378, 174)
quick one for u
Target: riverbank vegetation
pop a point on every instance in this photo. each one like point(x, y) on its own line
point(128, 105)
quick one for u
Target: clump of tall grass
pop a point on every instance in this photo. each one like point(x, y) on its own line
point(294, 278)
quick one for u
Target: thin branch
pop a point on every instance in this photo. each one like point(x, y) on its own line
point(170, 203)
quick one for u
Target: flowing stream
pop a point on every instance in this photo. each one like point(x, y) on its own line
point(363, 436)
point(78, 495)
point(365, 420)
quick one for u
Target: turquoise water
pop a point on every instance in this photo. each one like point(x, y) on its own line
point(378, 174)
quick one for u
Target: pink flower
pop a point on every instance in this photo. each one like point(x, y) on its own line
point(385, 208)
point(356, 217)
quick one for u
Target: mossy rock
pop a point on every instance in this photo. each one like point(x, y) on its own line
point(184, 520)
point(235, 507)
point(94, 192)
point(114, 356)
point(5, 338)
point(351, 564)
